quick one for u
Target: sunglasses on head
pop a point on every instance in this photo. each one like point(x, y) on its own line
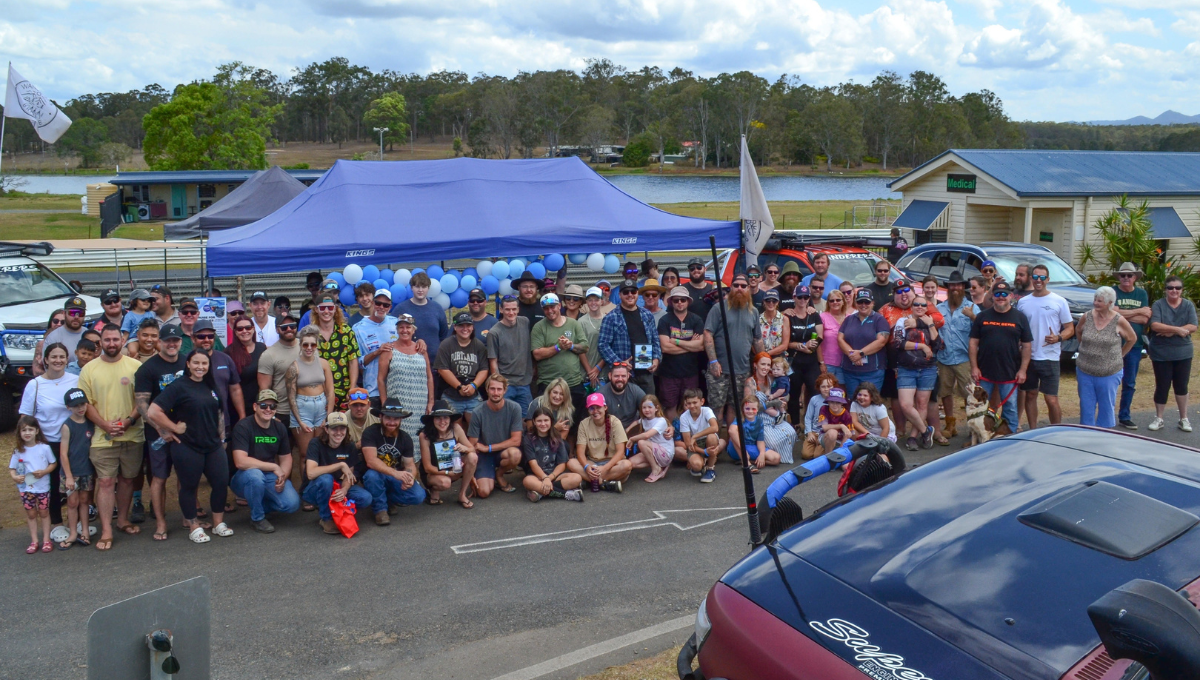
point(267, 405)
point(508, 298)
point(359, 396)
point(75, 312)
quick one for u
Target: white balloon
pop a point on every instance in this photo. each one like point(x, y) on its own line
point(484, 268)
point(352, 273)
point(402, 276)
point(595, 262)
point(506, 287)
point(435, 288)
point(442, 299)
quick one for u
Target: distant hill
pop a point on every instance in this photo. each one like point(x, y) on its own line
point(1164, 118)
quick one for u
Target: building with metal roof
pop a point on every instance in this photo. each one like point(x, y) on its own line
point(177, 195)
point(1049, 197)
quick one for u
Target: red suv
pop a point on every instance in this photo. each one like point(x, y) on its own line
point(849, 258)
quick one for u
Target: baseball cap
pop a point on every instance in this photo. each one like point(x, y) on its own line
point(202, 325)
point(463, 318)
point(594, 290)
point(679, 291)
point(406, 318)
point(161, 290)
point(75, 303)
point(110, 295)
point(384, 292)
point(837, 395)
point(987, 263)
point(628, 284)
point(603, 283)
point(337, 419)
point(771, 295)
point(695, 261)
point(900, 285)
point(140, 294)
point(743, 277)
point(863, 295)
point(549, 299)
point(753, 268)
point(258, 295)
point(573, 290)
point(74, 397)
point(170, 331)
point(595, 399)
point(281, 301)
point(1001, 286)
point(801, 292)
point(189, 303)
point(235, 306)
point(327, 296)
point(476, 295)
point(267, 395)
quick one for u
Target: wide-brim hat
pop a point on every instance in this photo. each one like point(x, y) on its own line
point(441, 407)
point(651, 286)
point(955, 277)
point(393, 409)
point(1129, 268)
point(528, 276)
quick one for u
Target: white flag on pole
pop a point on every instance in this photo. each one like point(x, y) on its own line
point(756, 218)
point(24, 100)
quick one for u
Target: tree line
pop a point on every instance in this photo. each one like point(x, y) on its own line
point(893, 120)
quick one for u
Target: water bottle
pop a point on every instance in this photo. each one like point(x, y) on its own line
point(23, 469)
point(158, 443)
point(20, 466)
point(455, 462)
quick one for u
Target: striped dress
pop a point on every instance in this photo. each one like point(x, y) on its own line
point(407, 381)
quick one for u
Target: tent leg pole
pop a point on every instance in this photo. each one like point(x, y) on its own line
point(241, 287)
point(117, 266)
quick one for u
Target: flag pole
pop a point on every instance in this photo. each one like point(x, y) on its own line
point(3, 119)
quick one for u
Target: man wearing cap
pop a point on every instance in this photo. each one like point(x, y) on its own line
point(428, 316)
point(312, 283)
point(820, 265)
point(477, 307)
point(652, 299)
point(881, 286)
point(72, 329)
point(1001, 345)
point(560, 351)
point(495, 434)
point(262, 457)
point(789, 278)
point(359, 415)
point(606, 304)
point(327, 292)
point(630, 334)
point(863, 338)
point(529, 287)
point(151, 378)
point(162, 303)
point(954, 364)
point(264, 323)
point(281, 307)
point(589, 320)
point(681, 336)
point(1134, 304)
point(375, 335)
point(332, 458)
point(189, 319)
point(391, 474)
point(462, 364)
point(698, 287)
point(114, 313)
point(745, 339)
point(364, 295)
point(754, 276)
point(509, 353)
point(273, 365)
point(1051, 322)
point(117, 445)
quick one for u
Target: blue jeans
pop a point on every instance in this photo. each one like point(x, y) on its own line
point(838, 373)
point(1097, 398)
point(1133, 361)
point(854, 379)
point(318, 491)
point(385, 490)
point(258, 488)
point(459, 405)
point(520, 394)
point(1009, 408)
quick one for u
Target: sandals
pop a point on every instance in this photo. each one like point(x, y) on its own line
point(32, 548)
point(198, 536)
point(131, 529)
point(941, 441)
point(66, 545)
point(435, 501)
point(47, 546)
point(160, 536)
point(222, 530)
point(307, 507)
point(466, 503)
point(104, 544)
point(83, 541)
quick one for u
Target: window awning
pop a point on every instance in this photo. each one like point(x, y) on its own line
point(922, 215)
point(1168, 224)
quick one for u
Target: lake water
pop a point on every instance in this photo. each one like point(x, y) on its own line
point(648, 188)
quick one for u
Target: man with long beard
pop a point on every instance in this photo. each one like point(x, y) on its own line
point(745, 340)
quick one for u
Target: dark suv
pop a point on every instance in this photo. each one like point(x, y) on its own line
point(940, 259)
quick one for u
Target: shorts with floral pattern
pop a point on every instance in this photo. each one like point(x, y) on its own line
point(35, 501)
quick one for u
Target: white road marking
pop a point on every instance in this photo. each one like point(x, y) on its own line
point(599, 649)
point(660, 519)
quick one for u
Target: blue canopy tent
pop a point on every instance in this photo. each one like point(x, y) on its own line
point(417, 211)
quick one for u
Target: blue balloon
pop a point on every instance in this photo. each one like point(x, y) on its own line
point(490, 284)
point(418, 270)
point(347, 295)
point(537, 269)
point(370, 273)
point(457, 274)
point(458, 298)
point(435, 272)
point(387, 275)
point(381, 284)
point(611, 264)
point(500, 270)
point(337, 276)
point(554, 262)
point(577, 258)
point(471, 271)
point(516, 267)
point(468, 282)
point(397, 292)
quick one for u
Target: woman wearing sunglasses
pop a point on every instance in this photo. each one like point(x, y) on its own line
point(1172, 322)
point(309, 389)
point(57, 317)
point(245, 350)
point(338, 346)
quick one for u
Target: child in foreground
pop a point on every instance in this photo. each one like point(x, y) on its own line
point(652, 443)
point(30, 467)
point(835, 419)
point(700, 442)
point(77, 473)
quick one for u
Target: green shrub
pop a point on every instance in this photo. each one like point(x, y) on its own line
point(637, 152)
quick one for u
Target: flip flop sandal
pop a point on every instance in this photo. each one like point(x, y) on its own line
point(942, 441)
point(231, 507)
point(242, 502)
point(222, 530)
point(467, 504)
point(198, 536)
point(160, 536)
point(66, 545)
point(104, 544)
point(201, 513)
point(507, 489)
point(32, 548)
point(83, 541)
point(131, 529)
point(435, 501)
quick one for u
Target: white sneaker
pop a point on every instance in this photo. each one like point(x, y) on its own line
point(1185, 425)
point(1155, 425)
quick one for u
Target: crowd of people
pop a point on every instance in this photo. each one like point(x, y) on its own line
point(394, 405)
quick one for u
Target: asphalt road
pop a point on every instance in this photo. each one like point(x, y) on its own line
point(398, 601)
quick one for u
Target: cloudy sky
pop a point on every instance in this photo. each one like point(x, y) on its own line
point(1047, 59)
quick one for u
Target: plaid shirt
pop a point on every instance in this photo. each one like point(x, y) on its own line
point(614, 336)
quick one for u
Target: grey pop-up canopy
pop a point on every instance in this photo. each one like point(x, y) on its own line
point(264, 193)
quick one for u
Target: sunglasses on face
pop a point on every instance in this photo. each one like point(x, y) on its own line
point(75, 312)
point(629, 292)
point(695, 267)
point(773, 271)
point(1174, 287)
point(206, 336)
point(237, 312)
point(816, 287)
point(1000, 294)
point(739, 286)
point(325, 308)
point(800, 297)
point(1126, 276)
point(863, 302)
point(882, 270)
point(754, 275)
point(904, 290)
point(188, 312)
point(593, 409)
point(920, 304)
point(56, 321)
point(1039, 277)
point(267, 405)
point(113, 302)
point(247, 329)
point(288, 326)
point(308, 345)
point(989, 270)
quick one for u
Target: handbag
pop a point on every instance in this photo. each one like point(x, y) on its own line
point(343, 514)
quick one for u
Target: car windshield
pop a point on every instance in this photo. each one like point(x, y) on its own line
point(29, 282)
point(1060, 272)
point(856, 268)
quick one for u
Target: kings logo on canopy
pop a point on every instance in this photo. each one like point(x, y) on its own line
point(360, 253)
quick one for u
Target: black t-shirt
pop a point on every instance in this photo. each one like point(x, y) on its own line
point(249, 377)
point(197, 405)
point(637, 329)
point(802, 330)
point(882, 294)
point(681, 365)
point(786, 301)
point(153, 377)
point(699, 305)
point(465, 362)
point(534, 448)
point(389, 449)
point(756, 298)
point(533, 312)
point(1000, 337)
point(265, 444)
point(347, 453)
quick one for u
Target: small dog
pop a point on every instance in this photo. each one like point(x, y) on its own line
point(983, 420)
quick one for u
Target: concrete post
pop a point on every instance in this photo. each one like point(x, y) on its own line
point(1028, 224)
